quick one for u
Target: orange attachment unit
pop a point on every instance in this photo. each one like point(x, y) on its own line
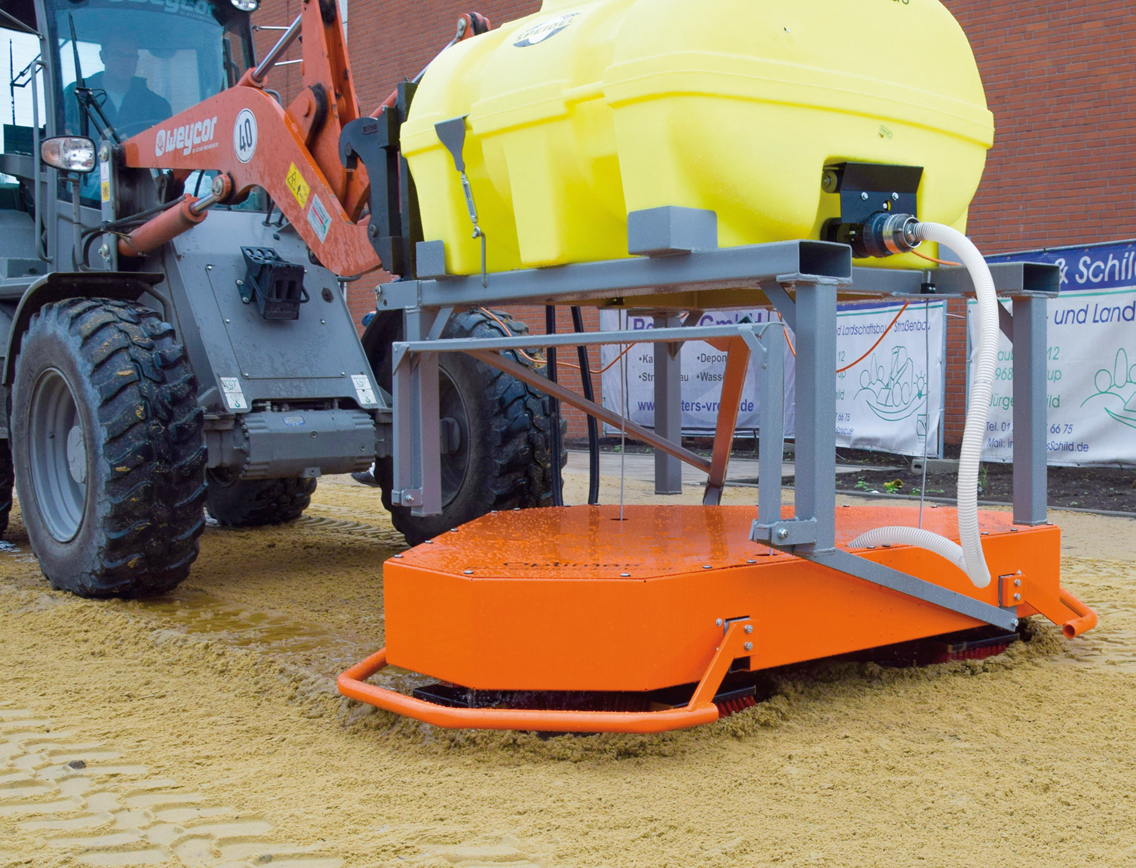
point(575, 599)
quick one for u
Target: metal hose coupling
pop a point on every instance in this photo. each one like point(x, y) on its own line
point(886, 233)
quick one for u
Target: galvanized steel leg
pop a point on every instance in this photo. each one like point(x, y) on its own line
point(417, 440)
point(772, 421)
point(668, 409)
point(733, 383)
point(815, 329)
point(1030, 422)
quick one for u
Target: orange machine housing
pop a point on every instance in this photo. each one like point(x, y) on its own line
point(575, 599)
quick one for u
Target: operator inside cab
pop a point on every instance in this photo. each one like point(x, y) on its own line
point(130, 66)
point(125, 98)
point(124, 67)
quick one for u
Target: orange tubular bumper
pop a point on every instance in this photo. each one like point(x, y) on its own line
point(1086, 618)
point(700, 710)
point(351, 684)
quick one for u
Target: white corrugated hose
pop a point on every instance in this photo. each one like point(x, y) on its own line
point(968, 556)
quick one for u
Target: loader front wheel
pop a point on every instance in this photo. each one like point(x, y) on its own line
point(6, 477)
point(257, 502)
point(496, 433)
point(108, 449)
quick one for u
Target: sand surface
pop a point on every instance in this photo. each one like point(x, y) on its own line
point(204, 729)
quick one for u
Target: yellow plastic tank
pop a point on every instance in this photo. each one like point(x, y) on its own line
point(586, 111)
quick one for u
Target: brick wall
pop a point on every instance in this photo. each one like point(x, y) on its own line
point(1059, 77)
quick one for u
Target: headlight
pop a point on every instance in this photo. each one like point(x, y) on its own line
point(246, 5)
point(68, 153)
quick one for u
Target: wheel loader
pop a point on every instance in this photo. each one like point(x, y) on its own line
point(174, 337)
point(177, 335)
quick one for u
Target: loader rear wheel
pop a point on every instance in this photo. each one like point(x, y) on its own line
point(6, 477)
point(496, 451)
point(108, 449)
point(257, 502)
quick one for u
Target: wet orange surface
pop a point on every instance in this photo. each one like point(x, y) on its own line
point(650, 541)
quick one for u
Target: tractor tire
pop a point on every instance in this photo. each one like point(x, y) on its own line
point(108, 449)
point(503, 457)
point(6, 477)
point(257, 502)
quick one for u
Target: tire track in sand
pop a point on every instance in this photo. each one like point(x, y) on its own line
point(91, 806)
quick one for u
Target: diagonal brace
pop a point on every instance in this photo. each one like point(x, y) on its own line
point(566, 396)
point(911, 586)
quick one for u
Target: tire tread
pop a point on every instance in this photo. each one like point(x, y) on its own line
point(149, 510)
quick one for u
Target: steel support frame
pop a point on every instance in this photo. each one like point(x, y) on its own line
point(1030, 405)
point(417, 426)
point(668, 407)
point(807, 304)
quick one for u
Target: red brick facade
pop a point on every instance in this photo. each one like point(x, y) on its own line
point(1059, 77)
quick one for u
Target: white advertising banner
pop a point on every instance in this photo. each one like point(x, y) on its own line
point(702, 371)
point(892, 399)
point(1090, 361)
point(884, 401)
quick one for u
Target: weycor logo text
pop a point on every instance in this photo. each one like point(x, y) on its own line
point(187, 138)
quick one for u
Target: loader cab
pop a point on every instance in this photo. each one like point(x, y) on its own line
point(104, 69)
point(140, 61)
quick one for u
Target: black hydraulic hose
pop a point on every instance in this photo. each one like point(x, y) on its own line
point(554, 412)
point(593, 425)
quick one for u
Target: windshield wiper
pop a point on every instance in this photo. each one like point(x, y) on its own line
point(91, 107)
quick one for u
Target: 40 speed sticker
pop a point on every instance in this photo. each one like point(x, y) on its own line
point(244, 135)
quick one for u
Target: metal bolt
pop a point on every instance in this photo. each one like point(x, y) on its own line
point(1014, 623)
point(240, 283)
point(864, 196)
point(324, 322)
point(453, 530)
point(104, 251)
point(467, 572)
point(208, 267)
point(228, 321)
point(895, 197)
point(429, 542)
point(373, 231)
point(247, 375)
point(748, 646)
point(104, 151)
point(493, 512)
point(718, 623)
point(750, 561)
point(706, 566)
point(408, 498)
point(398, 556)
point(625, 575)
point(749, 628)
point(783, 533)
point(1017, 583)
point(1017, 598)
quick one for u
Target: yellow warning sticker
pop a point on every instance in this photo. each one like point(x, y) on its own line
point(297, 185)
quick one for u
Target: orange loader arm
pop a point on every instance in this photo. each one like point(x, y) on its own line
point(292, 152)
